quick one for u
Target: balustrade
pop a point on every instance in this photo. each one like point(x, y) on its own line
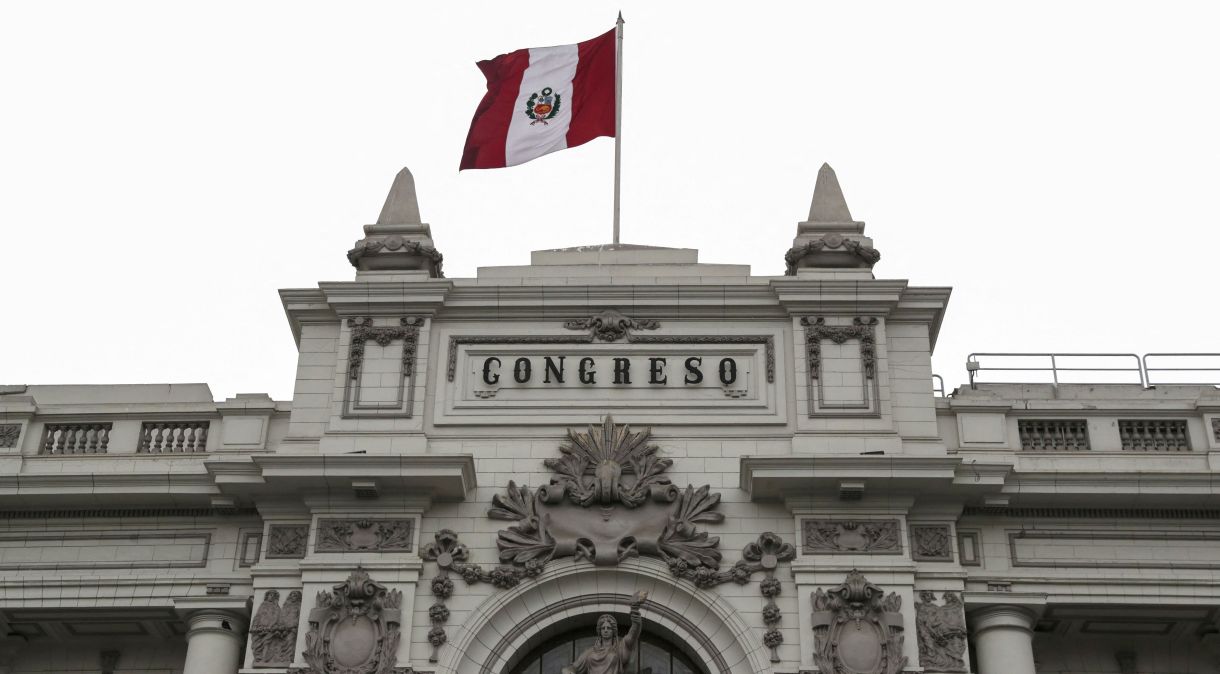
point(83, 438)
point(1053, 434)
point(1154, 435)
point(173, 437)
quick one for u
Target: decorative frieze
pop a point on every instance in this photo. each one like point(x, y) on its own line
point(1057, 435)
point(287, 541)
point(9, 433)
point(842, 537)
point(1154, 435)
point(173, 437)
point(86, 438)
point(931, 543)
point(858, 628)
point(942, 632)
point(610, 325)
point(273, 632)
point(364, 535)
point(354, 629)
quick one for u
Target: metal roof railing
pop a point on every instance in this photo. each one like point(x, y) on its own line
point(1149, 370)
point(938, 386)
point(1194, 368)
point(1064, 368)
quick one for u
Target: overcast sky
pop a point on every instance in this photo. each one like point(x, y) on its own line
point(165, 167)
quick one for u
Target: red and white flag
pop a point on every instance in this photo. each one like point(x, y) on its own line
point(542, 100)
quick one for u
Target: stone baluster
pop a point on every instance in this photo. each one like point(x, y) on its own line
point(1003, 639)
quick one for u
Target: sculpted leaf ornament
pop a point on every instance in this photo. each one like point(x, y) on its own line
point(607, 451)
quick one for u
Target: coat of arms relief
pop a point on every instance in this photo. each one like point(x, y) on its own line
point(609, 499)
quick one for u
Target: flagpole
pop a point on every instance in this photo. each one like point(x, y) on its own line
point(618, 115)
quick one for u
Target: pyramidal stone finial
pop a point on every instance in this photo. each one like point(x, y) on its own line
point(828, 202)
point(399, 243)
point(401, 204)
point(830, 244)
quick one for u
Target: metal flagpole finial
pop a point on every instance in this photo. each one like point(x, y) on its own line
point(620, 18)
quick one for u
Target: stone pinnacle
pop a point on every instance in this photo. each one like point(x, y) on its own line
point(402, 206)
point(828, 202)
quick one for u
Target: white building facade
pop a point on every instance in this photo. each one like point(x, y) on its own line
point(472, 471)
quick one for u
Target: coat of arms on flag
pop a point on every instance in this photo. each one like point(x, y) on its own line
point(543, 105)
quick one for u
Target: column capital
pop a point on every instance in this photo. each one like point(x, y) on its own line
point(214, 613)
point(1010, 616)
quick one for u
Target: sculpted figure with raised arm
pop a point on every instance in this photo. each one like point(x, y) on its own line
point(610, 654)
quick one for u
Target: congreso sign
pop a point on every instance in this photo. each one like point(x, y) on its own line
point(614, 459)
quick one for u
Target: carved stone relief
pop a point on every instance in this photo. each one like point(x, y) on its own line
point(942, 632)
point(354, 629)
point(610, 325)
point(356, 535)
point(840, 537)
point(931, 543)
point(287, 541)
point(1215, 429)
point(273, 632)
point(9, 434)
point(857, 629)
point(609, 500)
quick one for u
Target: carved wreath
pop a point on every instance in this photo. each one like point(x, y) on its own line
point(867, 255)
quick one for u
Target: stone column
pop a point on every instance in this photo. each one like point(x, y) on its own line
point(213, 642)
point(1003, 639)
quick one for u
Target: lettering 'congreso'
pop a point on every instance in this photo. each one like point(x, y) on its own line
point(616, 460)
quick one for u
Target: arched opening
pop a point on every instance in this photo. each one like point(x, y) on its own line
point(507, 626)
point(657, 653)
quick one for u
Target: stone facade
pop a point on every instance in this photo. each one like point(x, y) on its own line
point(472, 468)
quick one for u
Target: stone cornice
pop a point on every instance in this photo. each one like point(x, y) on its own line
point(304, 306)
point(442, 476)
point(776, 477)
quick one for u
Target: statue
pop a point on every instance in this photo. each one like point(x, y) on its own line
point(610, 654)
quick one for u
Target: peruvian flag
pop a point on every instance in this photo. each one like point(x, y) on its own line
point(542, 100)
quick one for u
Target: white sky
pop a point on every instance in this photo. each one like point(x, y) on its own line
point(165, 167)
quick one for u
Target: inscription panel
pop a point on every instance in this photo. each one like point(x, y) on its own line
point(554, 379)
